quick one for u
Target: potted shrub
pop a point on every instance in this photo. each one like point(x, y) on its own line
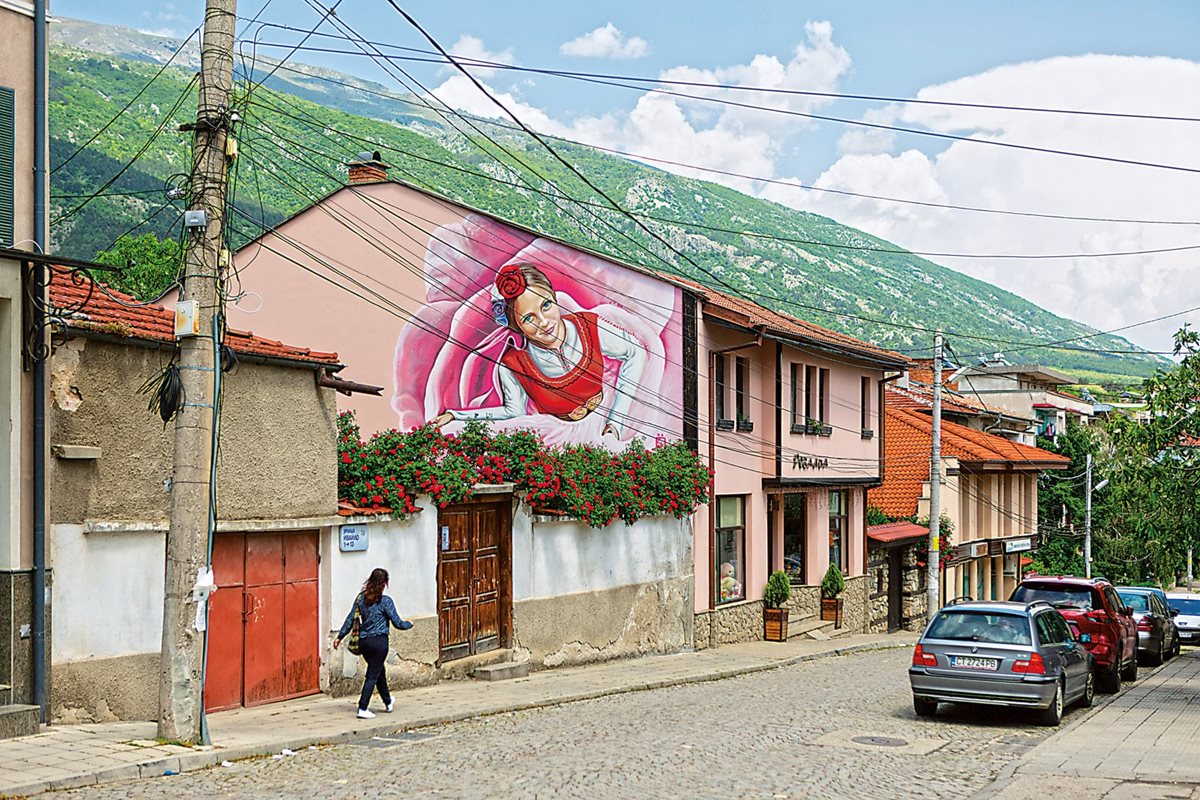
point(744, 424)
point(775, 617)
point(832, 585)
point(812, 426)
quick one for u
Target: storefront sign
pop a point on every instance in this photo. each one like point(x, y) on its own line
point(1018, 545)
point(800, 461)
point(353, 538)
point(979, 549)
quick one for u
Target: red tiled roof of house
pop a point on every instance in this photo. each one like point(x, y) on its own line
point(908, 437)
point(119, 314)
point(752, 315)
point(896, 532)
point(919, 397)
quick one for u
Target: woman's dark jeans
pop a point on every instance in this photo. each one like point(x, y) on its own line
point(374, 650)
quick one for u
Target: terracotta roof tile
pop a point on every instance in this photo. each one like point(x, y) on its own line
point(919, 397)
point(120, 314)
point(751, 314)
point(908, 439)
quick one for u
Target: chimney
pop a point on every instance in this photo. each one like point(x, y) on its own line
point(367, 168)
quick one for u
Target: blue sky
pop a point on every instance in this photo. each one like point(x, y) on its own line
point(1094, 55)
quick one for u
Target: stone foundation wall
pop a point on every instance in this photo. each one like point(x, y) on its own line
point(877, 577)
point(856, 616)
point(739, 622)
point(914, 583)
point(804, 602)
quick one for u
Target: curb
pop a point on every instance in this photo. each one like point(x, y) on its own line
point(204, 759)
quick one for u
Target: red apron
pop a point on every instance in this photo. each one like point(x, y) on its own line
point(577, 393)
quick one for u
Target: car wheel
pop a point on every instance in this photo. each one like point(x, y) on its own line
point(1052, 715)
point(1089, 691)
point(1156, 658)
point(1130, 672)
point(1175, 650)
point(1110, 679)
point(924, 706)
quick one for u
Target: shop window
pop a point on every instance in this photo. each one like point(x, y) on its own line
point(730, 545)
point(839, 502)
point(719, 388)
point(795, 529)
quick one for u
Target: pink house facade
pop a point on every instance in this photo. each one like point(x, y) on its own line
point(461, 316)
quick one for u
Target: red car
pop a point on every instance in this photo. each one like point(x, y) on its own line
point(1103, 623)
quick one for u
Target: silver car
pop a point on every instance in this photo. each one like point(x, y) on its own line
point(999, 653)
point(1188, 619)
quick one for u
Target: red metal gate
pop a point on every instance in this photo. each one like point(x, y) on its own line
point(263, 639)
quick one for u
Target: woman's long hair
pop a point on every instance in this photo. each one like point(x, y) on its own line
point(373, 588)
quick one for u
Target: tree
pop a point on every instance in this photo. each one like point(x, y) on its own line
point(149, 265)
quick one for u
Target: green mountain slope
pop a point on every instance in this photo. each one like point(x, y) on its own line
point(297, 133)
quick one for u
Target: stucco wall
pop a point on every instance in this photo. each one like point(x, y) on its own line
point(579, 594)
point(278, 454)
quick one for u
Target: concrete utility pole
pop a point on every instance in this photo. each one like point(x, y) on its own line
point(1087, 523)
point(180, 707)
point(932, 591)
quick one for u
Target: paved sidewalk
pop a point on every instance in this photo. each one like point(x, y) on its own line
point(63, 757)
point(1143, 744)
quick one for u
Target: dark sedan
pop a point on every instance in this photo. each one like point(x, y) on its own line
point(1158, 639)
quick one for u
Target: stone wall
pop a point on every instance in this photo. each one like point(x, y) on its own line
point(856, 615)
point(729, 624)
point(914, 583)
point(877, 576)
point(804, 602)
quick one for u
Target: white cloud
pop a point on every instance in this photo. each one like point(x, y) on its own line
point(170, 33)
point(472, 48)
point(1105, 293)
point(605, 42)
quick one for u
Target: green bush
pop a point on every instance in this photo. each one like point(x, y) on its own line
point(777, 590)
point(833, 583)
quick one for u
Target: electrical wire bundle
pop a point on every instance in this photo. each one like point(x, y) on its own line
point(166, 393)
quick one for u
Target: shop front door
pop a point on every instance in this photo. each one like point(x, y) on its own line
point(474, 577)
point(263, 639)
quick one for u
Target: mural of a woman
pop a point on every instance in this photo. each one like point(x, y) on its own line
point(529, 333)
point(557, 365)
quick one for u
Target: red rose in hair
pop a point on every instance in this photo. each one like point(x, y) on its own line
point(510, 282)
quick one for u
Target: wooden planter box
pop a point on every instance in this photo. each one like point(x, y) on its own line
point(831, 611)
point(724, 424)
point(775, 624)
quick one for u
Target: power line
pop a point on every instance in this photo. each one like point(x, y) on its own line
point(760, 178)
point(498, 65)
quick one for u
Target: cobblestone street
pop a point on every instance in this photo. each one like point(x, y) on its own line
point(785, 733)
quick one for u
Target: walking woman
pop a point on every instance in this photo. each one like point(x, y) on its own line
point(376, 611)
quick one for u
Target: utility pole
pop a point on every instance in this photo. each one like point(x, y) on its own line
point(1189, 572)
point(933, 590)
point(180, 709)
point(1087, 523)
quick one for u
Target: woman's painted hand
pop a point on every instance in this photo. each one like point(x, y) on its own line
point(441, 419)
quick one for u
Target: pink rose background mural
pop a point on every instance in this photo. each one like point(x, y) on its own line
point(565, 343)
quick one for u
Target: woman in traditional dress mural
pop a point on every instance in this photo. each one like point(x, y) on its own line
point(557, 367)
point(526, 332)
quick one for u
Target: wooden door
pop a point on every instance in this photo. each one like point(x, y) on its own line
point(264, 639)
point(895, 588)
point(474, 578)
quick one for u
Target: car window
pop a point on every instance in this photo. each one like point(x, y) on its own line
point(978, 626)
point(1063, 596)
point(1065, 633)
point(1047, 635)
point(1157, 606)
point(1186, 605)
point(1114, 600)
point(1138, 602)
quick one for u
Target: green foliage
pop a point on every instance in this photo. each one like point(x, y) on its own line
point(945, 539)
point(293, 148)
point(1058, 555)
point(591, 483)
point(833, 583)
point(875, 516)
point(778, 589)
point(149, 266)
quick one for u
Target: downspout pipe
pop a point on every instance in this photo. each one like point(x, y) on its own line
point(41, 603)
point(712, 454)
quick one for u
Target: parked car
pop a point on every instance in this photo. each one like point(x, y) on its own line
point(1188, 619)
point(1158, 639)
point(998, 653)
point(1092, 606)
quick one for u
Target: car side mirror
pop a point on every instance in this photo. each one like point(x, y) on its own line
point(1085, 638)
point(1174, 613)
point(1128, 611)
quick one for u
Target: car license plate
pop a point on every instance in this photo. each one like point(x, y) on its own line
point(974, 662)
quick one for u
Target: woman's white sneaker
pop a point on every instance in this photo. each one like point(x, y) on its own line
point(388, 708)
point(365, 714)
